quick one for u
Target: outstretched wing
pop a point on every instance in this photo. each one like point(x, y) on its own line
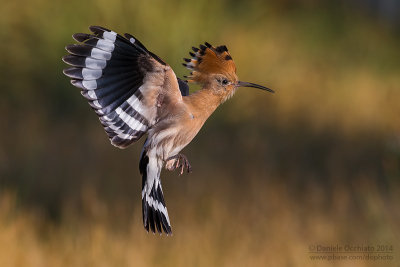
point(122, 81)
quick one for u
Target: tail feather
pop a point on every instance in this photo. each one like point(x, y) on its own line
point(155, 214)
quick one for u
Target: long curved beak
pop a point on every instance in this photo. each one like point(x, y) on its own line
point(246, 84)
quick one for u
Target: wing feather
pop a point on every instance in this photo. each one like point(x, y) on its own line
point(121, 80)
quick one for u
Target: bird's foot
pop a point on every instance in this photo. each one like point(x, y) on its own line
point(178, 161)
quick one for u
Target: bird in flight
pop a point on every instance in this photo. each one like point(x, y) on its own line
point(135, 93)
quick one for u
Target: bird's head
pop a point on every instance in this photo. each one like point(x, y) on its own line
point(213, 67)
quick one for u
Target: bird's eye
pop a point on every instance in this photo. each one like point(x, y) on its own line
point(224, 81)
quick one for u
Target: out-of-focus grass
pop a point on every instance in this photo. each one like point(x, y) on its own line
point(272, 229)
point(317, 162)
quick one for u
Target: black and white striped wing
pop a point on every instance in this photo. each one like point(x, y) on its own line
point(112, 72)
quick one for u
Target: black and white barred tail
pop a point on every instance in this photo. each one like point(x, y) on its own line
point(155, 214)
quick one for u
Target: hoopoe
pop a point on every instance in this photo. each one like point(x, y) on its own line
point(134, 92)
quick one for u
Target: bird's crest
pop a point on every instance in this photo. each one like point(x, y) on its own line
point(208, 60)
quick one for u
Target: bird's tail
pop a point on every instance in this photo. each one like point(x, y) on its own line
point(155, 214)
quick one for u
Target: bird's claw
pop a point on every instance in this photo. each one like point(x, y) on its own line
point(180, 162)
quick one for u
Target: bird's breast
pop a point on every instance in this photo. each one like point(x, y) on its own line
point(170, 138)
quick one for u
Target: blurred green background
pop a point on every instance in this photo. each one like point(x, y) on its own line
point(318, 162)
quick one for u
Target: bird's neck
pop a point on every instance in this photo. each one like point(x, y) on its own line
point(203, 103)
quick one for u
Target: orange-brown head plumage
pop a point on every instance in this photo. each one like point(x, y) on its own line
point(208, 60)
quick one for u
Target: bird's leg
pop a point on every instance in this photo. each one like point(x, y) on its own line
point(179, 161)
